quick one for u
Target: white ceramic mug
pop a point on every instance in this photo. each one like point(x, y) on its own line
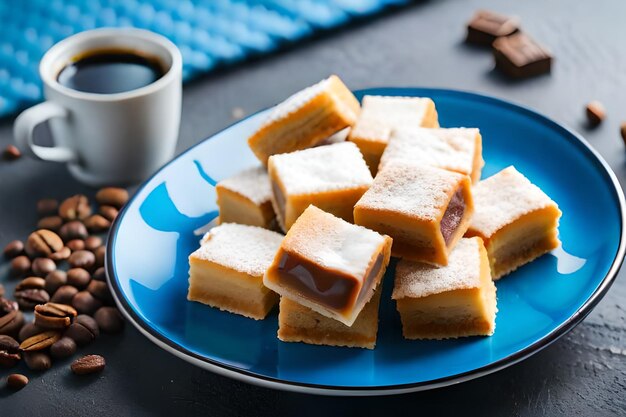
point(118, 138)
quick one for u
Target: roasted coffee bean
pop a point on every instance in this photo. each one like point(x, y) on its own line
point(29, 298)
point(43, 266)
point(112, 196)
point(55, 280)
point(40, 341)
point(76, 245)
point(84, 330)
point(88, 365)
point(78, 277)
point(97, 223)
point(63, 348)
point(29, 330)
point(16, 381)
point(100, 290)
point(43, 242)
point(64, 294)
point(73, 230)
point(595, 113)
point(109, 319)
point(9, 351)
point(1, 290)
point(85, 303)
point(622, 131)
point(93, 242)
point(47, 207)
point(53, 223)
point(108, 212)
point(82, 259)
point(99, 274)
point(37, 361)
point(75, 207)
point(6, 306)
point(100, 254)
point(20, 266)
point(11, 322)
point(54, 315)
point(11, 153)
point(30, 283)
point(13, 249)
point(61, 255)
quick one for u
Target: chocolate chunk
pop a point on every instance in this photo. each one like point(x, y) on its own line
point(486, 26)
point(519, 56)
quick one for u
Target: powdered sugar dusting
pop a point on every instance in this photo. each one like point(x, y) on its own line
point(296, 101)
point(417, 191)
point(247, 249)
point(504, 197)
point(451, 149)
point(252, 183)
point(332, 242)
point(324, 168)
point(416, 280)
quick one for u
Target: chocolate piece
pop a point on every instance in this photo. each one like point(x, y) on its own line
point(595, 113)
point(452, 217)
point(486, 26)
point(622, 131)
point(519, 56)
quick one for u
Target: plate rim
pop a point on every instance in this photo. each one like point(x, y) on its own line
point(322, 389)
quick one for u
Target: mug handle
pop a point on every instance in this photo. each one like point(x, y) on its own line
point(25, 125)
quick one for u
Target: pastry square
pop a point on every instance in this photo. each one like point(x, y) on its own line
point(517, 221)
point(306, 118)
point(456, 149)
point(297, 323)
point(329, 265)
point(425, 209)
point(246, 198)
point(380, 115)
point(227, 270)
point(449, 302)
point(331, 177)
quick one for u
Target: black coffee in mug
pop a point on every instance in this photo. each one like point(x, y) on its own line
point(110, 72)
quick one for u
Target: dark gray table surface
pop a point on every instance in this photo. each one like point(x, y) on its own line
point(584, 373)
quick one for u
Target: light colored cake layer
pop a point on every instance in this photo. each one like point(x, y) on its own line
point(251, 183)
point(246, 249)
point(456, 149)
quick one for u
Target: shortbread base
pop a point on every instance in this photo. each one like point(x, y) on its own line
point(235, 208)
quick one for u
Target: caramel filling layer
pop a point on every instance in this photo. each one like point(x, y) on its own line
point(452, 217)
point(327, 287)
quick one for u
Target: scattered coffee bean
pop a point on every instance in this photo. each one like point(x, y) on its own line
point(76, 245)
point(43, 242)
point(112, 196)
point(64, 294)
point(61, 255)
point(78, 277)
point(622, 131)
point(1, 290)
point(84, 330)
point(53, 223)
point(20, 266)
point(595, 113)
point(97, 223)
point(100, 290)
point(75, 207)
point(55, 280)
point(88, 365)
point(108, 212)
point(43, 266)
point(29, 298)
point(82, 259)
point(109, 319)
point(73, 230)
point(16, 381)
point(29, 330)
point(99, 274)
point(63, 348)
point(54, 316)
point(85, 303)
point(9, 351)
point(11, 153)
point(100, 254)
point(37, 361)
point(6, 306)
point(13, 249)
point(47, 207)
point(40, 341)
point(11, 322)
point(30, 283)
point(93, 242)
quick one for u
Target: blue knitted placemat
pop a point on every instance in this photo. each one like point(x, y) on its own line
point(208, 32)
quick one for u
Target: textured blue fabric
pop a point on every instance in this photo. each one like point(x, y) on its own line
point(208, 32)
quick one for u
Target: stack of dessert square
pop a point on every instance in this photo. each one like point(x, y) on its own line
point(352, 186)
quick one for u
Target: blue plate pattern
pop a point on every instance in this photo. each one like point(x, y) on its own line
point(153, 236)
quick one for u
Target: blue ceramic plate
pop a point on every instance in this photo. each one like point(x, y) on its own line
point(151, 239)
